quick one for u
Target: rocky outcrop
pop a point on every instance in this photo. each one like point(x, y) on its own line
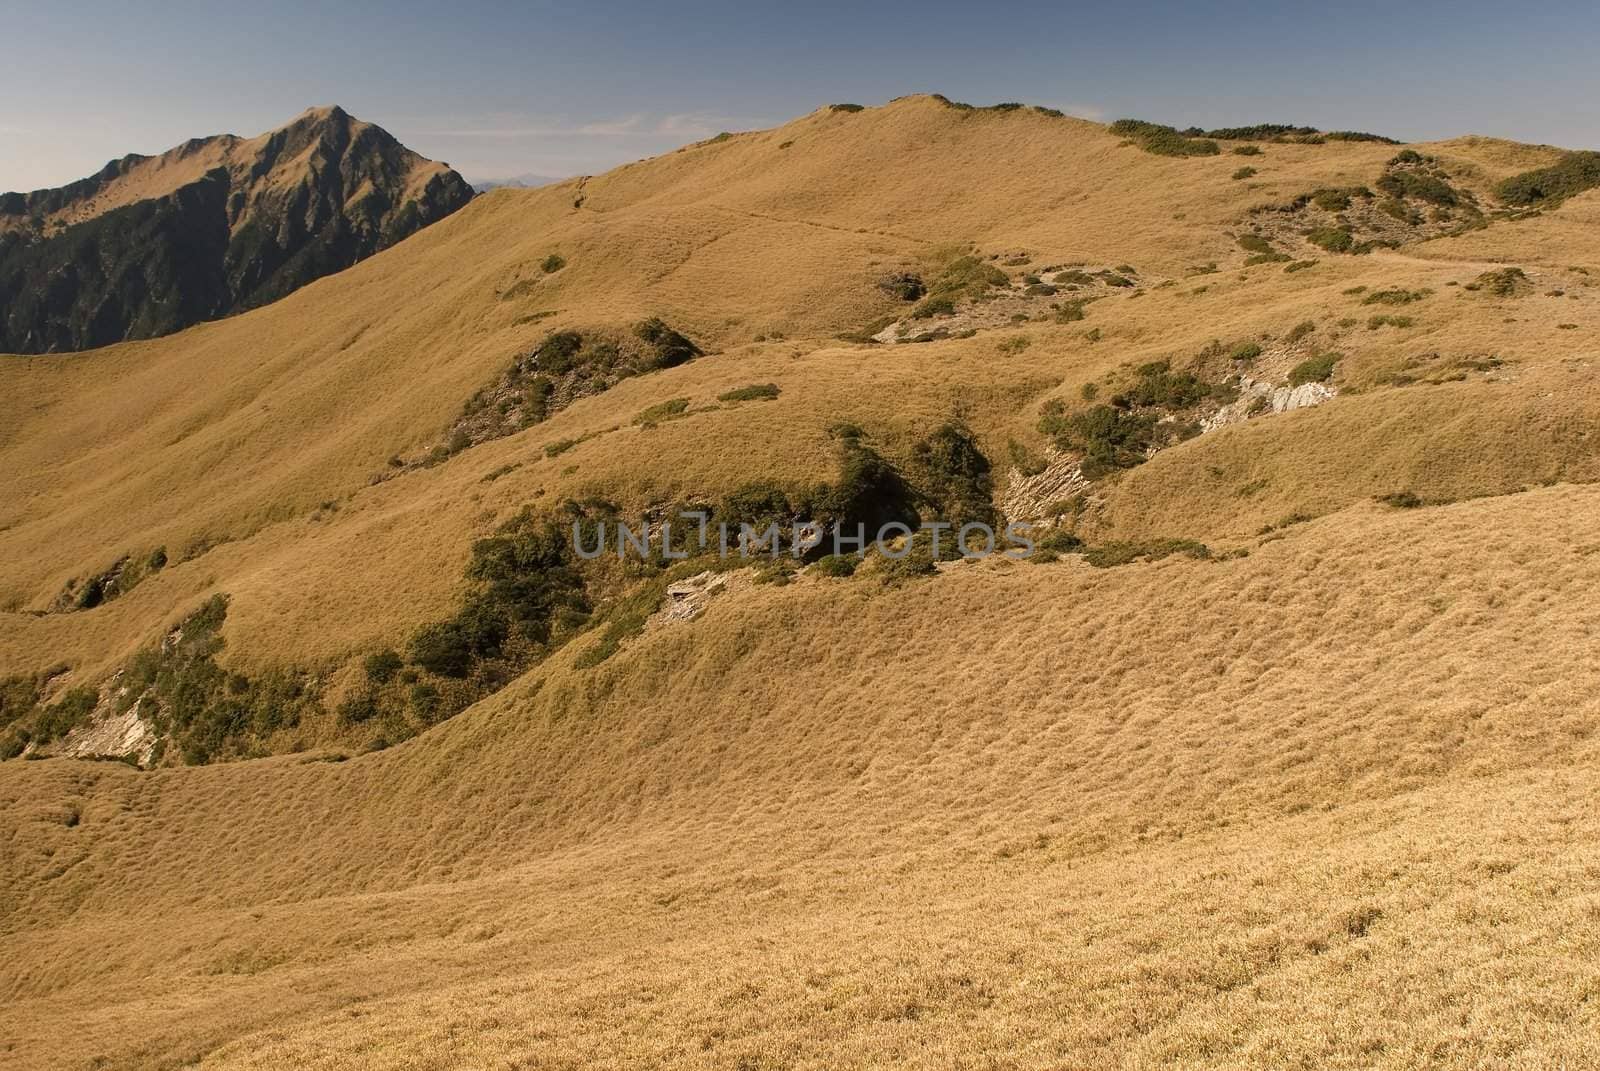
point(150, 245)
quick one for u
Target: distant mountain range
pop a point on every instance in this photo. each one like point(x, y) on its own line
point(515, 182)
point(150, 245)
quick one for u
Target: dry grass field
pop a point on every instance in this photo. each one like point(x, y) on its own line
point(1323, 798)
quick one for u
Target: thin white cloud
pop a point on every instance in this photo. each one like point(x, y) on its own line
point(1084, 111)
point(684, 125)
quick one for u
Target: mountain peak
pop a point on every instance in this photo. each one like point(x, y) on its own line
point(256, 218)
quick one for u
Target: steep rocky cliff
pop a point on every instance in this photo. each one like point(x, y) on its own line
point(150, 245)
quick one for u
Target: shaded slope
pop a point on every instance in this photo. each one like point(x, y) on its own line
point(134, 251)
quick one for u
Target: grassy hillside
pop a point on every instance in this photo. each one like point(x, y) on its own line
point(1314, 794)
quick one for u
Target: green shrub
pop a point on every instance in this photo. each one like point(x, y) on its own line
point(1108, 555)
point(1299, 265)
point(1244, 173)
point(359, 707)
point(953, 476)
point(1389, 321)
point(1572, 174)
point(1333, 239)
point(1060, 541)
point(1244, 351)
point(1254, 243)
point(836, 565)
point(1423, 187)
point(845, 108)
point(1300, 331)
point(1507, 282)
point(1313, 370)
point(671, 348)
point(916, 562)
point(903, 286)
point(1395, 297)
point(1108, 438)
point(559, 447)
point(930, 307)
point(1162, 140)
point(381, 666)
point(753, 393)
point(1246, 150)
point(662, 411)
point(1400, 500)
point(552, 263)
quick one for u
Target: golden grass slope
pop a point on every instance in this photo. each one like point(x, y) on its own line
point(1328, 804)
point(238, 430)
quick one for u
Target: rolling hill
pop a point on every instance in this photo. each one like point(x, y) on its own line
point(1280, 753)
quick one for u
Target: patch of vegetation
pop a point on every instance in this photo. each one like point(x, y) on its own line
point(1254, 243)
point(1283, 132)
point(1400, 500)
point(552, 263)
point(836, 565)
point(1417, 184)
point(1300, 265)
point(206, 712)
point(566, 366)
point(26, 719)
point(1316, 369)
point(903, 286)
point(1571, 175)
point(1245, 150)
point(662, 411)
point(846, 108)
point(1109, 555)
point(1390, 321)
point(1162, 140)
point(1395, 297)
point(1300, 331)
point(755, 392)
point(953, 477)
point(1244, 173)
point(1244, 352)
point(1333, 239)
point(1507, 282)
point(527, 596)
point(964, 278)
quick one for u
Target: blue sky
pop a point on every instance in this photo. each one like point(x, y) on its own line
point(560, 89)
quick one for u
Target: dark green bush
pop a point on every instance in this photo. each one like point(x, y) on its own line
point(1108, 555)
point(1421, 186)
point(953, 476)
point(552, 263)
point(1162, 140)
point(754, 392)
point(836, 565)
point(1313, 370)
point(1572, 174)
point(1333, 239)
point(666, 410)
point(381, 666)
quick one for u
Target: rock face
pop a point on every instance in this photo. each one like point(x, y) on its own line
point(150, 245)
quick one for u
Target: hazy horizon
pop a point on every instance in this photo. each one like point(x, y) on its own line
point(499, 92)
